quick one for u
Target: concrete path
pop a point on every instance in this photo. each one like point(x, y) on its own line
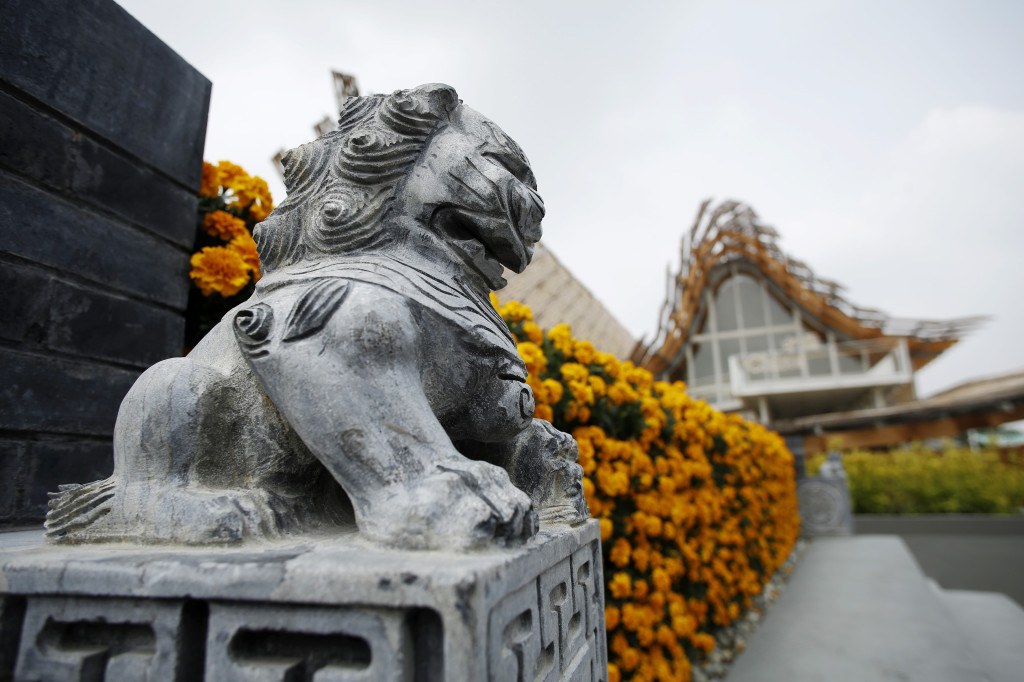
point(965, 552)
point(859, 609)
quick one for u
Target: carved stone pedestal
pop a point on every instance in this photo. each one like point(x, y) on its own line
point(337, 609)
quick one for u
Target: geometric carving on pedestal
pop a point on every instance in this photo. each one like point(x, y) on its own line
point(284, 643)
point(93, 640)
point(825, 506)
point(332, 611)
point(552, 628)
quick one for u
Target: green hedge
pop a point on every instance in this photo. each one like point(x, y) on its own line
point(916, 480)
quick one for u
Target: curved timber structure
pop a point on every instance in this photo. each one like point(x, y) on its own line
point(750, 329)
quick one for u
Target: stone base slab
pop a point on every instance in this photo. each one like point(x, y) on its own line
point(328, 610)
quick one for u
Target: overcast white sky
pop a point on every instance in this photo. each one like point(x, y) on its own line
point(884, 140)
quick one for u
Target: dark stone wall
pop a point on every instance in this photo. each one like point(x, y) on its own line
point(101, 139)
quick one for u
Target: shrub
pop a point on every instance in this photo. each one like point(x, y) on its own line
point(698, 509)
point(916, 480)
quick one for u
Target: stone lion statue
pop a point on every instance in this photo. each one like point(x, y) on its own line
point(368, 380)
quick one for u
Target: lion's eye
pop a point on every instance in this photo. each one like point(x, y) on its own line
point(514, 165)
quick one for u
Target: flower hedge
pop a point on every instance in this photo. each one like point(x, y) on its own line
point(698, 509)
point(225, 266)
point(916, 480)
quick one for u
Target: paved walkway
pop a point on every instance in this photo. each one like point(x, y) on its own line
point(859, 609)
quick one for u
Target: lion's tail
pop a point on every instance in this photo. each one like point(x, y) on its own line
point(75, 507)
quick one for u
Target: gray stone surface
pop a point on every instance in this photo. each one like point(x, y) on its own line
point(825, 507)
point(858, 608)
point(336, 608)
point(368, 378)
point(992, 624)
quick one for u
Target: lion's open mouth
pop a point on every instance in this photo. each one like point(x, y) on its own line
point(485, 243)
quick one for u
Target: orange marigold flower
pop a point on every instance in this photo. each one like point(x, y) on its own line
point(606, 529)
point(209, 186)
point(630, 658)
point(544, 412)
point(231, 175)
point(662, 582)
point(223, 225)
point(611, 617)
point(613, 673)
point(218, 268)
point(621, 585)
point(245, 246)
point(703, 641)
point(620, 552)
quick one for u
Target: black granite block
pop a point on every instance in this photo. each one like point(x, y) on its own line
point(12, 465)
point(40, 227)
point(39, 393)
point(105, 326)
point(25, 310)
point(52, 463)
point(33, 145)
point(111, 181)
point(96, 64)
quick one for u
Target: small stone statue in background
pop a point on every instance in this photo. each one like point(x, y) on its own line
point(368, 379)
point(832, 467)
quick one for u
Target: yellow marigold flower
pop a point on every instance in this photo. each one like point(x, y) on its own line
point(598, 386)
point(703, 641)
point(684, 624)
point(494, 300)
point(218, 268)
point(621, 585)
point(640, 589)
point(652, 527)
point(645, 636)
point(662, 582)
point(630, 659)
point(245, 246)
point(561, 338)
point(544, 412)
point(621, 392)
point(641, 559)
point(584, 352)
point(209, 186)
point(223, 225)
point(620, 552)
point(611, 617)
point(630, 616)
point(573, 371)
point(554, 390)
point(581, 392)
point(533, 356)
point(533, 332)
point(606, 529)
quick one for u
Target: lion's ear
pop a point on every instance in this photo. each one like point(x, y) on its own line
point(434, 99)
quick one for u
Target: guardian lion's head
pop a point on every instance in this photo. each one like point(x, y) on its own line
point(413, 165)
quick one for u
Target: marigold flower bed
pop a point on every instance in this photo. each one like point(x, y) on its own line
point(698, 509)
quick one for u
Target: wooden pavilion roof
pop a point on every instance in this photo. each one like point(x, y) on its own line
point(731, 231)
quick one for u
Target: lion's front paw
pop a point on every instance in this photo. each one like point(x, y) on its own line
point(460, 505)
